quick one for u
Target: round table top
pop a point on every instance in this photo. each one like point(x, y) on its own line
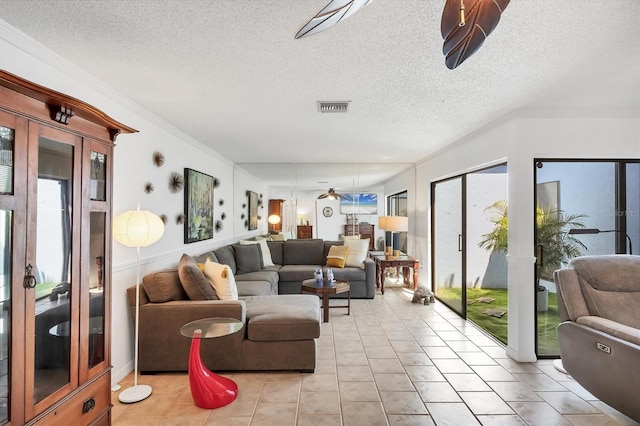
point(211, 327)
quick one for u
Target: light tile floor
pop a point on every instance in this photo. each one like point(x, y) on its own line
point(389, 363)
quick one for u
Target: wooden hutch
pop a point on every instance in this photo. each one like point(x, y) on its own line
point(56, 167)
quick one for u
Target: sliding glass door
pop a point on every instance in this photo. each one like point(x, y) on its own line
point(582, 208)
point(448, 242)
point(469, 227)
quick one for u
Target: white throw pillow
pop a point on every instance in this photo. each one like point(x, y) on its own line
point(266, 252)
point(222, 280)
point(358, 250)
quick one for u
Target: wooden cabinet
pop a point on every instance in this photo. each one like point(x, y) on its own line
point(305, 231)
point(364, 230)
point(56, 164)
point(276, 207)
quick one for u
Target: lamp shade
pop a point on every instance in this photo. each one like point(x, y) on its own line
point(274, 219)
point(382, 222)
point(137, 228)
point(397, 224)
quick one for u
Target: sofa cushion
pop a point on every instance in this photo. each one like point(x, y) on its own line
point(201, 258)
point(264, 250)
point(350, 274)
point(277, 251)
point(304, 252)
point(163, 286)
point(254, 288)
point(283, 317)
point(358, 250)
point(195, 284)
point(226, 255)
point(222, 280)
point(337, 256)
point(296, 273)
point(247, 258)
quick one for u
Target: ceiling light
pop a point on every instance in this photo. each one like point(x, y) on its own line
point(335, 106)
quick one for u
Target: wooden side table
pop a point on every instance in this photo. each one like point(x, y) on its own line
point(404, 261)
point(325, 290)
point(208, 389)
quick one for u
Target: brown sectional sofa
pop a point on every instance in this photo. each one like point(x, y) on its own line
point(281, 324)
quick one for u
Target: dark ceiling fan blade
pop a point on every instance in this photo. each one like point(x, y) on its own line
point(332, 13)
point(320, 197)
point(462, 41)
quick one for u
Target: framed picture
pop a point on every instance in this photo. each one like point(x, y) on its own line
point(253, 211)
point(362, 203)
point(198, 206)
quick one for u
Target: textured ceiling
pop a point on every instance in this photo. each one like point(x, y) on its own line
point(231, 74)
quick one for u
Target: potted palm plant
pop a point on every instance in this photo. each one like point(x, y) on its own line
point(554, 245)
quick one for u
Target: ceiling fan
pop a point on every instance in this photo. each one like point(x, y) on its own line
point(330, 194)
point(465, 24)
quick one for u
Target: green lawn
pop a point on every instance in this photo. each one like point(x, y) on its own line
point(497, 327)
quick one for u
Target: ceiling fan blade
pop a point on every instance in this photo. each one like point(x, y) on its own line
point(460, 42)
point(320, 197)
point(332, 13)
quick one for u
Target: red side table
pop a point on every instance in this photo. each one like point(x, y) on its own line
point(209, 390)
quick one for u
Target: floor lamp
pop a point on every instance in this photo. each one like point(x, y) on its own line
point(136, 228)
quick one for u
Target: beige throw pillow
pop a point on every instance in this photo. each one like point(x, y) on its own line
point(357, 253)
point(337, 256)
point(222, 280)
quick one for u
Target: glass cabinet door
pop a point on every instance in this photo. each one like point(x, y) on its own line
point(7, 144)
point(95, 273)
point(51, 247)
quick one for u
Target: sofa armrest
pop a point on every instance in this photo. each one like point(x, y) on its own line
point(613, 328)
point(163, 348)
point(370, 273)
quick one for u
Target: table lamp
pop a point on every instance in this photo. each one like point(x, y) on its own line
point(397, 224)
point(382, 224)
point(136, 228)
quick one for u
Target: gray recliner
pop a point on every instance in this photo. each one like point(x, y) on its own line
point(599, 331)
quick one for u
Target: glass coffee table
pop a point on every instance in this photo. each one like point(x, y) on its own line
point(326, 289)
point(208, 389)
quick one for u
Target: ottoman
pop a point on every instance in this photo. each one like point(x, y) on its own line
point(281, 332)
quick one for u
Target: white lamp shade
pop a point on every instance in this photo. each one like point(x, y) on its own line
point(397, 224)
point(274, 219)
point(382, 222)
point(137, 228)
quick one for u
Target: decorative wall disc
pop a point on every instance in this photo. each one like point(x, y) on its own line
point(218, 225)
point(223, 216)
point(216, 182)
point(158, 158)
point(164, 218)
point(221, 202)
point(176, 182)
point(148, 187)
point(180, 219)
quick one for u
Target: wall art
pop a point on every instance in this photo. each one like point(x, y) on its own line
point(198, 206)
point(253, 210)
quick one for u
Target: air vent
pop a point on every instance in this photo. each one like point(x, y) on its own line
point(341, 106)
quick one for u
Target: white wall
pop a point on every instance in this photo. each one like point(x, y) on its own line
point(518, 139)
point(133, 167)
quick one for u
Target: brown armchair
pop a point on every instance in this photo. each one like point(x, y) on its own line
point(599, 332)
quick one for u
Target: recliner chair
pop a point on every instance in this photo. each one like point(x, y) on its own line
point(599, 331)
